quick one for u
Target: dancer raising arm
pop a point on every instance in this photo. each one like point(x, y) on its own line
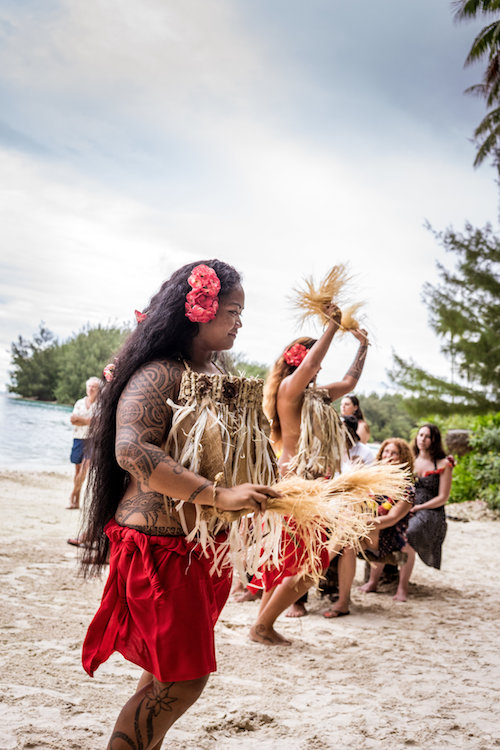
point(162, 597)
point(292, 375)
point(307, 432)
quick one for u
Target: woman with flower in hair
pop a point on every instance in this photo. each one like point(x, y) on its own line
point(161, 452)
point(308, 437)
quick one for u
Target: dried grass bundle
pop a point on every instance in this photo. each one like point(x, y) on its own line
point(312, 300)
point(318, 513)
point(350, 318)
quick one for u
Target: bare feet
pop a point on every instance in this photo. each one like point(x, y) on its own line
point(74, 502)
point(267, 636)
point(246, 596)
point(333, 613)
point(400, 596)
point(368, 588)
point(297, 609)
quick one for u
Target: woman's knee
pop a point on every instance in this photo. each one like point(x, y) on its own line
point(187, 690)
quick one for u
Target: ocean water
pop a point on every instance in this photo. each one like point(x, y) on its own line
point(34, 436)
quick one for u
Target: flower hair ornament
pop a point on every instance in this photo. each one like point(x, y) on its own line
point(139, 316)
point(295, 354)
point(202, 302)
point(109, 372)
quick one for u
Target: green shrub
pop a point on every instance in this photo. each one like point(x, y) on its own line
point(477, 475)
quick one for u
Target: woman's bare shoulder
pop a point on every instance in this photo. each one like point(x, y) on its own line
point(155, 381)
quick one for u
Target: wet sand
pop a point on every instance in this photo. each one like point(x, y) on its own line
point(420, 674)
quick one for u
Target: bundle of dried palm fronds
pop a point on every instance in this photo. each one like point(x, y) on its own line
point(332, 513)
point(313, 300)
point(350, 318)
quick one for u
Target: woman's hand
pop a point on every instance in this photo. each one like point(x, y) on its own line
point(361, 335)
point(333, 312)
point(243, 496)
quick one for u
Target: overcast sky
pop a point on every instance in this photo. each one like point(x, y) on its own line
point(283, 136)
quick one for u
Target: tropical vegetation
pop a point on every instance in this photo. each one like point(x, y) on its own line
point(45, 369)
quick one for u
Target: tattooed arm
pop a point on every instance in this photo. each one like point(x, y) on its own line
point(348, 382)
point(142, 422)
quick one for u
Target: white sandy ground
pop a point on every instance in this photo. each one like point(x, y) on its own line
point(421, 674)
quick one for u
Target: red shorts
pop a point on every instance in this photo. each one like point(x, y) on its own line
point(292, 561)
point(159, 606)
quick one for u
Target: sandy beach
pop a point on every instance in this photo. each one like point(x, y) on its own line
point(420, 674)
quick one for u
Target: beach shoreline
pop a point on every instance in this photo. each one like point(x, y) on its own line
point(420, 674)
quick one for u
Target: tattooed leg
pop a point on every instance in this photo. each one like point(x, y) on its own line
point(147, 716)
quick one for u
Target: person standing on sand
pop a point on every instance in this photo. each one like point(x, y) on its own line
point(163, 595)
point(295, 406)
point(80, 418)
point(427, 523)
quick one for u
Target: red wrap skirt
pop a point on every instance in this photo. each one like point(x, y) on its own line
point(159, 606)
point(292, 560)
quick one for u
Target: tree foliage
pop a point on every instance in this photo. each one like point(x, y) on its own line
point(477, 474)
point(485, 45)
point(465, 314)
point(387, 416)
point(35, 365)
point(238, 363)
point(46, 370)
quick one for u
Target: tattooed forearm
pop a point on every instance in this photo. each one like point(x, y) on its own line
point(356, 368)
point(198, 490)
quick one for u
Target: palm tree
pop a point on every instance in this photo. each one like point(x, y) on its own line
point(486, 43)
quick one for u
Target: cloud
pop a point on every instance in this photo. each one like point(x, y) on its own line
point(185, 130)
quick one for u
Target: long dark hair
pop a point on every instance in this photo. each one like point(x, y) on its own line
point(436, 450)
point(166, 333)
point(357, 408)
point(281, 369)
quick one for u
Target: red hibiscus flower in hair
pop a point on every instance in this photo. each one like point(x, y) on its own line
point(200, 307)
point(203, 278)
point(109, 372)
point(202, 301)
point(295, 354)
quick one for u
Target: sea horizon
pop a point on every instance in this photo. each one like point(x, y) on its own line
point(34, 435)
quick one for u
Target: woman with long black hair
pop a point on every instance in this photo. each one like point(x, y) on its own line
point(427, 522)
point(163, 447)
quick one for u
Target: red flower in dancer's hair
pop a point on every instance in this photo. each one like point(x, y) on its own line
point(202, 301)
point(140, 317)
point(295, 354)
point(109, 372)
point(201, 307)
point(203, 278)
